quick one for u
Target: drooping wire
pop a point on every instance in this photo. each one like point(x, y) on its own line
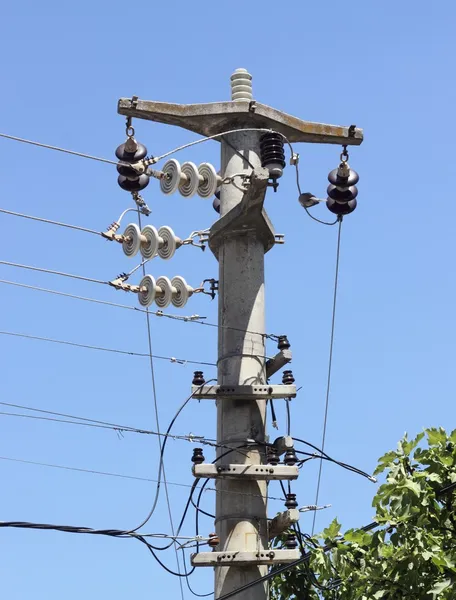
point(88, 530)
point(287, 406)
point(160, 444)
point(172, 359)
point(336, 462)
point(328, 382)
point(162, 451)
point(298, 185)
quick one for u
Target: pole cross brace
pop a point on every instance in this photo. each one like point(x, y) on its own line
point(241, 471)
point(282, 522)
point(278, 361)
point(243, 392)
point(248, 559)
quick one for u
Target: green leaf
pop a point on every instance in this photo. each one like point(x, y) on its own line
point(384, 461)
point(412, 485)
point(333, 530)
point(439, 587)
point(436, 436)
point(354, 535)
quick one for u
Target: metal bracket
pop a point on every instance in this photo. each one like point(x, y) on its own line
point(243, 392)
point(248, 217)
point(277, 362)
point(266, 557)
point(282, 522)
point(239, 471)
point(119, 284)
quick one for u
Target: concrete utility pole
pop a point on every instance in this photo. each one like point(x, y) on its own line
point(239, 240)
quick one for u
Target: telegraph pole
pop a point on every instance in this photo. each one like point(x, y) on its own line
point(239, 241)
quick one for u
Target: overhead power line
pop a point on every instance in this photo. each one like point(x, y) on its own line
point(62, 274)
point(49, 147)
point(85, 421)
point(180, 361)
point(50, 222)
point(328, 382)
point(157, 313)
point(186, 319)
point(123, 476)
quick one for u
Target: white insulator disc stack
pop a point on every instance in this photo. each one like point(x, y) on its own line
point(147, 290)
point(207, 187)
point(183, 291)
point(149, 249)
point(164, 299)
point(241, 85)
point(189, 187)
point(167, 250)
point(173, 171)
point(133, 242)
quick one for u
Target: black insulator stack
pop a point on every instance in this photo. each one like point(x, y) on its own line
point(198, 456)
point(273, 457)
point(131, 152)
point(287, 378)
point(283, 343)
point(342, 190)
point(290, 458)
point(272, 155)
point(291, 542)
point(198, 378)
point(213, 540)
point(290, 501)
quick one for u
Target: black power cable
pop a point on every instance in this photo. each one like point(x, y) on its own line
point(331, 346)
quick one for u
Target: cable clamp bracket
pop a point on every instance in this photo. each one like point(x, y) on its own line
point(119, 284)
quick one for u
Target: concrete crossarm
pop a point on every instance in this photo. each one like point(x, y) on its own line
point(218, 117)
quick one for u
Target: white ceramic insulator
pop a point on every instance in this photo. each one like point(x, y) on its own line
point(147, 290)
point(168, 242)
point(164, 298)
point(191, 180)
point(149, 248)
point(132, 242)
point(173, 170)
point(211, 180)
point(241, 85)
point(183, 291)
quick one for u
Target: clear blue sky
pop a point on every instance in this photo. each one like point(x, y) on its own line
point(386, 67)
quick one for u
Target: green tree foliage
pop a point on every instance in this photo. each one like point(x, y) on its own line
point(410, 554)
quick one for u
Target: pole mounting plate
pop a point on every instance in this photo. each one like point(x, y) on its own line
point(243, 392)
point(238, 559)
point(241, 471)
